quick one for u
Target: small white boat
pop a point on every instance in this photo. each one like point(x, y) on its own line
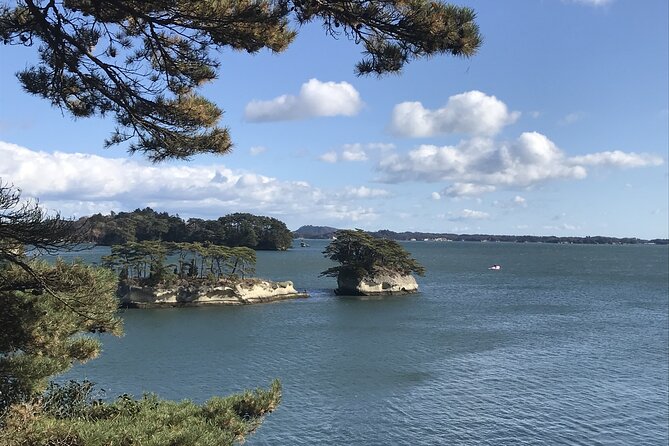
point(495, 267)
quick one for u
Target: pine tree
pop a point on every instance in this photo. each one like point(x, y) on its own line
point(142, 61)
point(45, 307)
point(359, 254)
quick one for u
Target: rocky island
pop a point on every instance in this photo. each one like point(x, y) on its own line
point(225, 292)
point(370, 266)
point(381, 283)
point(198, 275)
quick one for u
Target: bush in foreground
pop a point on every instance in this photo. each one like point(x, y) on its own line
point(68, 415)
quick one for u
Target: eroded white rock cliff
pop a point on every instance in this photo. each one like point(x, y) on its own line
point(244, 292)
point(378, 284)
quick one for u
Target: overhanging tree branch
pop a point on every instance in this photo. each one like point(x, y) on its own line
point(143, 61)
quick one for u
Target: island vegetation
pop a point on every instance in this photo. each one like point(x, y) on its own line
point(233, 230)
point(145, 263)
point(370, 265)
point(153, 273)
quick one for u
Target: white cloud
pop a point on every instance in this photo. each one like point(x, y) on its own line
point(315, 98)
point(481, 165)
point(472, 112)
point(329, 157)
point(617, 158)
point(531, 159)
point(79, 184)
point(436, 196)
point(353, 152)
point(468, 189)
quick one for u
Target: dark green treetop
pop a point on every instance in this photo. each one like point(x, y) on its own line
point(238, 229)
point(142, 61)
point(359, 253)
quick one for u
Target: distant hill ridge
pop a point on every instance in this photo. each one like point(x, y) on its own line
point(326, 232)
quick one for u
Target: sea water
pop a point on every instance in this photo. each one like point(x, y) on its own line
point(566, 344)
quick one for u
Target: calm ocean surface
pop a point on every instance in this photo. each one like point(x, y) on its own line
point(567, 344)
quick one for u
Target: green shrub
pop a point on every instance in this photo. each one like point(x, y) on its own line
point(68, 415)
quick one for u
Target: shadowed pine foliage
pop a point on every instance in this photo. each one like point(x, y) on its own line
point(360, 254)
point(46, 308)
point(43, 332)
point(143, 61)
point(68, 415)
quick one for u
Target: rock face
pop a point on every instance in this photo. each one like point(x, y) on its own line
point(250, 291)
point(385, 283)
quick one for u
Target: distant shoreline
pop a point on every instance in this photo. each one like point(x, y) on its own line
point(326, 232)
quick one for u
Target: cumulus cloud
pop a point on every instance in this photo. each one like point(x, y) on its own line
point(354, 152)
point(480, 165)
point(315, 98)
point(483, 164)
point(472, 112)
point(436, 196)
point(80, 184)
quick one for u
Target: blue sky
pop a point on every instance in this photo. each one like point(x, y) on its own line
point(558, 126)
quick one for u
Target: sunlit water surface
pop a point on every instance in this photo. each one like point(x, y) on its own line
point(566, 344)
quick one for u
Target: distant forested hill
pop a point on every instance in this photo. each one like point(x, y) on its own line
point(252, 231)
point(310, 231)
point(324, 232)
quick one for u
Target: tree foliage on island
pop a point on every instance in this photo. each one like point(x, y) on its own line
point(233, 230)
point(143, 61)
point(361, 255)
point(146, 263)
